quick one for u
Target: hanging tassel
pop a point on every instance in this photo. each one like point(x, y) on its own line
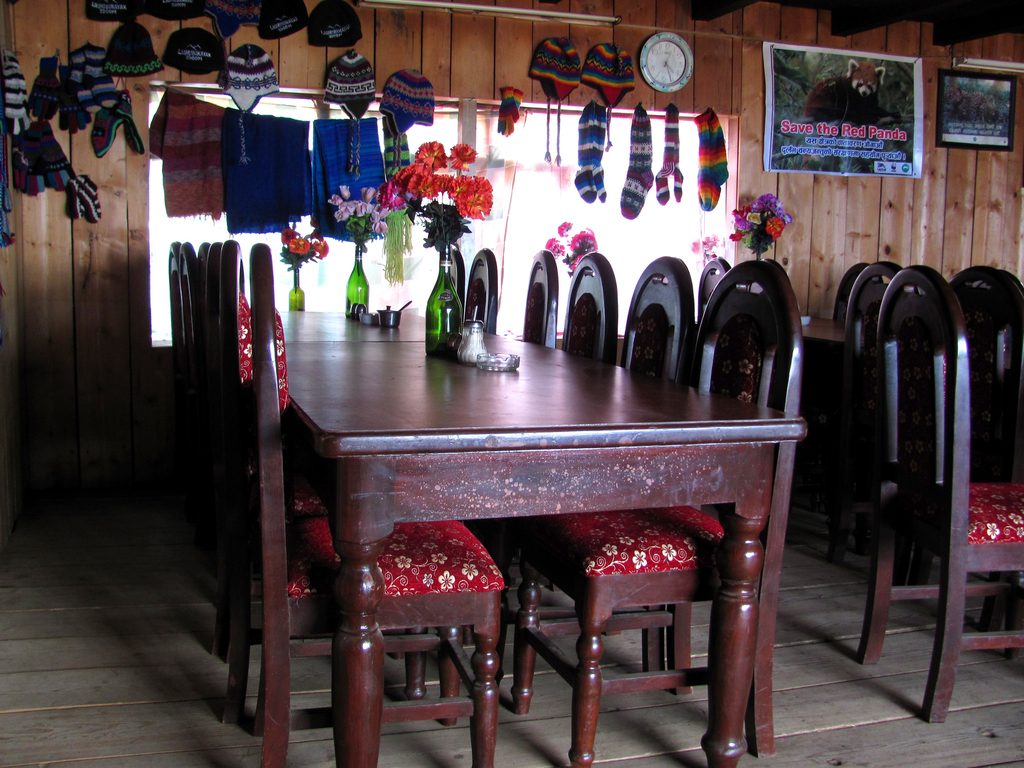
point(547, 140)
point(397, 245)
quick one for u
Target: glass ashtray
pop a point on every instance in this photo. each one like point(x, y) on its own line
point(497, 362)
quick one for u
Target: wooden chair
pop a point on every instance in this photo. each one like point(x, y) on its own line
point(179, 358)
point(710, 276)
point(749, 346)
point(459, 264)
point(298, 564)
point(659, 326)
point(843, 291)
point(850, 504)
point(924, 492)
point(482, 290)
point(540, 320)
point(592, 313)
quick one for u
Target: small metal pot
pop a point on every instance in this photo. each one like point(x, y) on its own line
point(390, 318)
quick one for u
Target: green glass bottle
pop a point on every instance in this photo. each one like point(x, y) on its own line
point(358, 289)
point(444, 309)
point(296, 296)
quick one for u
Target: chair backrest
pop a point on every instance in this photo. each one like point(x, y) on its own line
point(540, 320)
point(709, 278)
point(992, 302)
point(179, 356)
point(925, 399)
point(843, 291)
point(459, 264)
point(482, 290)
point(659, 326)
point(188, 280)
point(592, 314)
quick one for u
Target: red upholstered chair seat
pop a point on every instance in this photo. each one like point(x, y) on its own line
point(583, 336)
point(302, 500)
point(418, 559)
point(995, 511)
point(634, 541)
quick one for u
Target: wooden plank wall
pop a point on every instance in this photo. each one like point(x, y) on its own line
point(98, 405)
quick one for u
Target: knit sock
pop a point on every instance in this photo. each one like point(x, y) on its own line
point(639, 176)
point(589, 152)
point(713, 162)
point(15, 94)
point(42, 102)
point(508, 110)
point(670, 165)
point(601, 121)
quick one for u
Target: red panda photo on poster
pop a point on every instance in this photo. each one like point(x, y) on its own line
point(843, 112)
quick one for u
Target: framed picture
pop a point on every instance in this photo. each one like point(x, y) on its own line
point(975, 111)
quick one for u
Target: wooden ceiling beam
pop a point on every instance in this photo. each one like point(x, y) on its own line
point(706, 10)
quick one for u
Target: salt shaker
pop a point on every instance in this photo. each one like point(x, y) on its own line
point(472, 343)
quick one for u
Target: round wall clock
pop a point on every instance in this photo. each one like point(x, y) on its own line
point(666, 62)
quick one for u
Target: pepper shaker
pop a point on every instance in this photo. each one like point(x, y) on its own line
point(472, 343)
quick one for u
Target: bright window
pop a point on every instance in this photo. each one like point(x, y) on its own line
point(531, 199)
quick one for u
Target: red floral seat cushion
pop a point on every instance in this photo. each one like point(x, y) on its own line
point(533, 323)
point(245, 349)
point(417, 559)
point(302, 501)
point(649, 338)
point(583, 334)
point(996, 513)
point(476, 297)
point(635, 541)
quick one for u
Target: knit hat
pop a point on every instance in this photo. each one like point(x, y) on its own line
point(175, 10)
point(556, 66)
point(194, 50)
point(609, 70)
point(350, 83)
point(408, 99)
point(113, 10)
point(248, 74)
point(713, 163)
point(229, 15)
point(334, 23)
point(279, 18)
point(130, 53)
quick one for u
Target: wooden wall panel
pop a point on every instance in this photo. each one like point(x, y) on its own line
point(98, 409)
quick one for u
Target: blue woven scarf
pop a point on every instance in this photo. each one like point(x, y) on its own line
point(331, 147)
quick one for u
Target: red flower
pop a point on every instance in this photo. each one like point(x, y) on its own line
point(462, 156)
point(432, 156)
point(564, 228)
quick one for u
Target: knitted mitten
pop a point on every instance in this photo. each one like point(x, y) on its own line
point(508, 110)
point(670, 165)
point(639, 176)
point(590, 177)
point(83, 200)
point(43, 101)
point(15, 94)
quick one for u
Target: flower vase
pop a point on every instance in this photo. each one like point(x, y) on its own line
point(358, 289)
point(444, 309)
point(296, 296)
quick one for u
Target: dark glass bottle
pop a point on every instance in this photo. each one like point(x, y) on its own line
point(358, 289)
point(444, 309)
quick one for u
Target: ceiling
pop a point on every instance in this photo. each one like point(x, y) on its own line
point(954, 21)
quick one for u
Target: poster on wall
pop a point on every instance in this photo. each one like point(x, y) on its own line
point(842, 112)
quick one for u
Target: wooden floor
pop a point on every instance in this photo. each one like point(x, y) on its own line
point(105, 619)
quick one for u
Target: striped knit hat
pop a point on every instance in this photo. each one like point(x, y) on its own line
point(350, 83)
point(609, 70)
point(408, 99)
point(713, 163)
point(248, 74)
point(229, 15)
point(556, 66)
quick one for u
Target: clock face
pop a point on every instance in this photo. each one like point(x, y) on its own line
point(666, 62)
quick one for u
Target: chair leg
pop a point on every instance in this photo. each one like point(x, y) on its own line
point(415, 671)
point(222, 618)
point(840, 528)
point(653, 648)
point(484, 723)
point(680, 648)
point(586, 689)
point(525, 654)
point(448, 673)
point(239, 622)
point(949, 628)
point(1014, 614)
point(880, 578)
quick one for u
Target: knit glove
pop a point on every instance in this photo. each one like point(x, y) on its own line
point(508, 110)
point(15, 94)
point(43, 102)
point(82, 199)
point(73, 116)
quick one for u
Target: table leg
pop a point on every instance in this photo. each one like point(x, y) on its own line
point(357, 682)
point(732, 640)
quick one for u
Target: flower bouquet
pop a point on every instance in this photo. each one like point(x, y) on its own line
point(759, 224)
point(571, 249)
point(707, 246)
point(364, 218)
point(296, 250)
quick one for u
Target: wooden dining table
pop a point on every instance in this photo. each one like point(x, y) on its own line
point(400, 436)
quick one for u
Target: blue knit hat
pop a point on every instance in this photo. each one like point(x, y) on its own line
point(408, 99)
point(229, 15)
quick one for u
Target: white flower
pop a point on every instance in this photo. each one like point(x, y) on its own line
point(992, 530)
point(470, 571)
point(446, 581)
point(640, 558)
point(403, 561)
point(439, 557)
